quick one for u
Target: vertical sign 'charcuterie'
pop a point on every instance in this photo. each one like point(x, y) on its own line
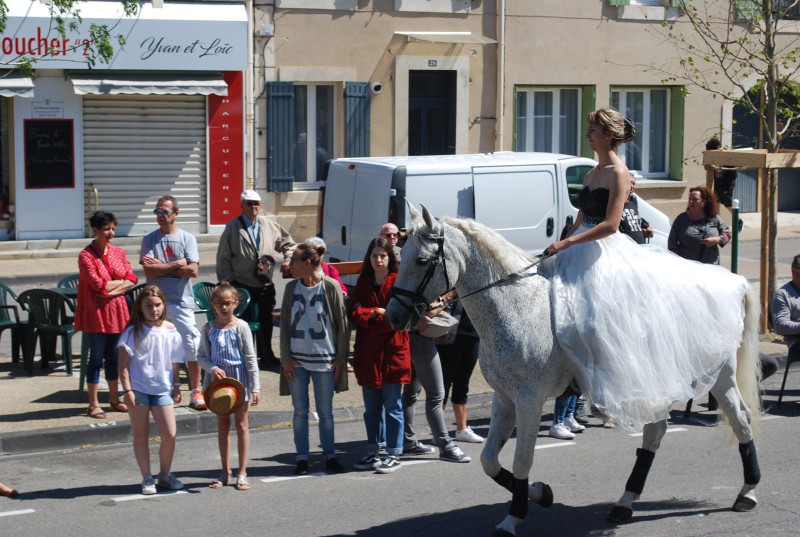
point(225, 151)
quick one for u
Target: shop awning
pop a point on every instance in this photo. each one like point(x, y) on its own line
point(449, 37)
point(111, 84)
point(15, 84)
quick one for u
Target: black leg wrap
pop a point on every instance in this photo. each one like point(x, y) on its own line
point(752, 473)
point(644, 459)
point(519, 499)
point(505, 479)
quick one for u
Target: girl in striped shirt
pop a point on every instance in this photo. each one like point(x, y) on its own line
point(226, 350)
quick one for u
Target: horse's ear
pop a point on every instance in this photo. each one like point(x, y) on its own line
point(426, 215)
point(413, 211)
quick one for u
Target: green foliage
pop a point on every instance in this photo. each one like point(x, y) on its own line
point(66, 17)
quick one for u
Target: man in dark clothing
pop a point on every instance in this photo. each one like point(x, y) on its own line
point(724, 180)
point(633, 225)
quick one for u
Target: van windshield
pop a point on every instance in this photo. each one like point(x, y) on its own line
point(575, 176)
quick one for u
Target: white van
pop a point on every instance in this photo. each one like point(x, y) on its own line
point(526, 197)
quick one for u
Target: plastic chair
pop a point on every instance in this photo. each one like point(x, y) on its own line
point(9, 319)
point(255, 326)
point(69, 281)
point(789, 361)
point(202, 298)
point(132, 293)
point(47, 317)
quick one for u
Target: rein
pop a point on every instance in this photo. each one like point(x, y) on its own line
point(421, 307)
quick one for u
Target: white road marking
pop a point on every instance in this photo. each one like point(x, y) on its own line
point(278, 479)
point(17, 512)
point(133, 497)
point(669, 430)
point(556, 444)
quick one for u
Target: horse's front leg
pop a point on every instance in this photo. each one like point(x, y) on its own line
point(528, 419)
point(622, 511)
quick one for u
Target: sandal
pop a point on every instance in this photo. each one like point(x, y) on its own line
point(119, 406)
point(96, 412)
point(242, 483)
point(220, 481)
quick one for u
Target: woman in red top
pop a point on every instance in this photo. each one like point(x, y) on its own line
point(382, 360)
point(102, 311)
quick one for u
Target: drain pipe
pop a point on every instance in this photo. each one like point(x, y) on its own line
point(249, 105)
point(501, 73)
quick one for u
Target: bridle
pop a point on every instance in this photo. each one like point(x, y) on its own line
point(420, 307)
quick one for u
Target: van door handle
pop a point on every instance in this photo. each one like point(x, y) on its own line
point(344, 235)
point(570, 221)
point(550, 225)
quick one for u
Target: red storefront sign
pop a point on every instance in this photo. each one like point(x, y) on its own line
point(226, 151)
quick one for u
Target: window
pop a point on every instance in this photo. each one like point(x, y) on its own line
point(5, 182)
point(548, 120)
point(314, 120)
point(649, 110)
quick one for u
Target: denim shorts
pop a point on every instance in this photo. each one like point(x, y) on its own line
point(145, 399)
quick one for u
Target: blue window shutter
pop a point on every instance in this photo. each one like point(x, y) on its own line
point(357, 100)
point(281, 134)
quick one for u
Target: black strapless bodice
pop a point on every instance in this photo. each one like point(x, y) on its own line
point(594, 204)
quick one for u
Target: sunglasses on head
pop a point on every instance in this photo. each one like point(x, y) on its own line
point(161, 212)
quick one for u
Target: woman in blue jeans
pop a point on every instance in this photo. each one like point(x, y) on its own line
point(315, 340)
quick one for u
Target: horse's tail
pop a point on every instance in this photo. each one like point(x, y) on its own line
point(748, 365)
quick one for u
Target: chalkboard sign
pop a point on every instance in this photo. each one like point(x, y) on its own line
point(49, 153)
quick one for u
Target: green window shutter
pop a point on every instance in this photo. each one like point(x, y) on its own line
point(281, 136)
point(677, 100)
point(588, 97)
point(357, 100)
point(680, 4)
point(618, 2)
point(748, 9)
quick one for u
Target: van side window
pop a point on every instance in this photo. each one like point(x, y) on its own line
point(575, 175)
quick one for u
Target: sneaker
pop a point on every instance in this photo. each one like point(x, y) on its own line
point(468, 435)
point(369, 462)
point(581, 416)
point(560, 431)
point(302, 467)
point(454, 454)
point(169, 482)
point(572, 424)
point(148, 485)
point(419, 449)
point(332, 466)
point(389, 465)
point(197, 402)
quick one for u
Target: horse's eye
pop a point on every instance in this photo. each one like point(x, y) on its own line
point(422, 261)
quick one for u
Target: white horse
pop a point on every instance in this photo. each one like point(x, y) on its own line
point(522, 361)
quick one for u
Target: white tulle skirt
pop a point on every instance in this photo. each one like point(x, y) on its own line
point(646, 327)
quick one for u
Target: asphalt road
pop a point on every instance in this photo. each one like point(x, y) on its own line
point(692, 485)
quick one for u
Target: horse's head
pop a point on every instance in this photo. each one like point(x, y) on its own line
point(424, 275)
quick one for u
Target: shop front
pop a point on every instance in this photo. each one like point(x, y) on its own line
point(164, 116)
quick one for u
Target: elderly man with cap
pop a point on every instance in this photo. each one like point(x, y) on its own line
point(247, 238)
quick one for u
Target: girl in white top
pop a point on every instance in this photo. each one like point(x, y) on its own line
point(150, 354)
point(226, 350)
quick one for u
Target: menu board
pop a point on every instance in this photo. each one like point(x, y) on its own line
point(49, 153)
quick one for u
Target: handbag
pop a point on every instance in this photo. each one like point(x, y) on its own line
point(265, 267)
point(439, 326)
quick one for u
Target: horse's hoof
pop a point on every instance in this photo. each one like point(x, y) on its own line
point(619, 514)
point(743, 504)
point(547, 496)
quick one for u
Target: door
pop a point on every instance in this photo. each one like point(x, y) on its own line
point(520, 203)
point(431, 113)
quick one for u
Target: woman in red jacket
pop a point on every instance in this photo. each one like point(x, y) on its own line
point(382, 361)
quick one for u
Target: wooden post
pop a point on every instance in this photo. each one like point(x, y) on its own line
point(764, 201)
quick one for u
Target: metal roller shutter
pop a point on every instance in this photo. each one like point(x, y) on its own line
point(138, 148)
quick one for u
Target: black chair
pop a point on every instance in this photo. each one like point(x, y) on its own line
point(789, 361)
point(50, 317)
point(9, 319)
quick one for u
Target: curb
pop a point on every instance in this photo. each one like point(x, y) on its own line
point(111, 432)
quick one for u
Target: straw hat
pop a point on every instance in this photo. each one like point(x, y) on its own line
point(224, 396)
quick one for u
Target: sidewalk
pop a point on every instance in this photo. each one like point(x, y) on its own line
point(46, 412)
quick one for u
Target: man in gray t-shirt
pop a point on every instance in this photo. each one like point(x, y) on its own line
point(170, 259)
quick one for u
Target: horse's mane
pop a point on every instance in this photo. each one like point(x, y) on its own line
point(505, 254)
